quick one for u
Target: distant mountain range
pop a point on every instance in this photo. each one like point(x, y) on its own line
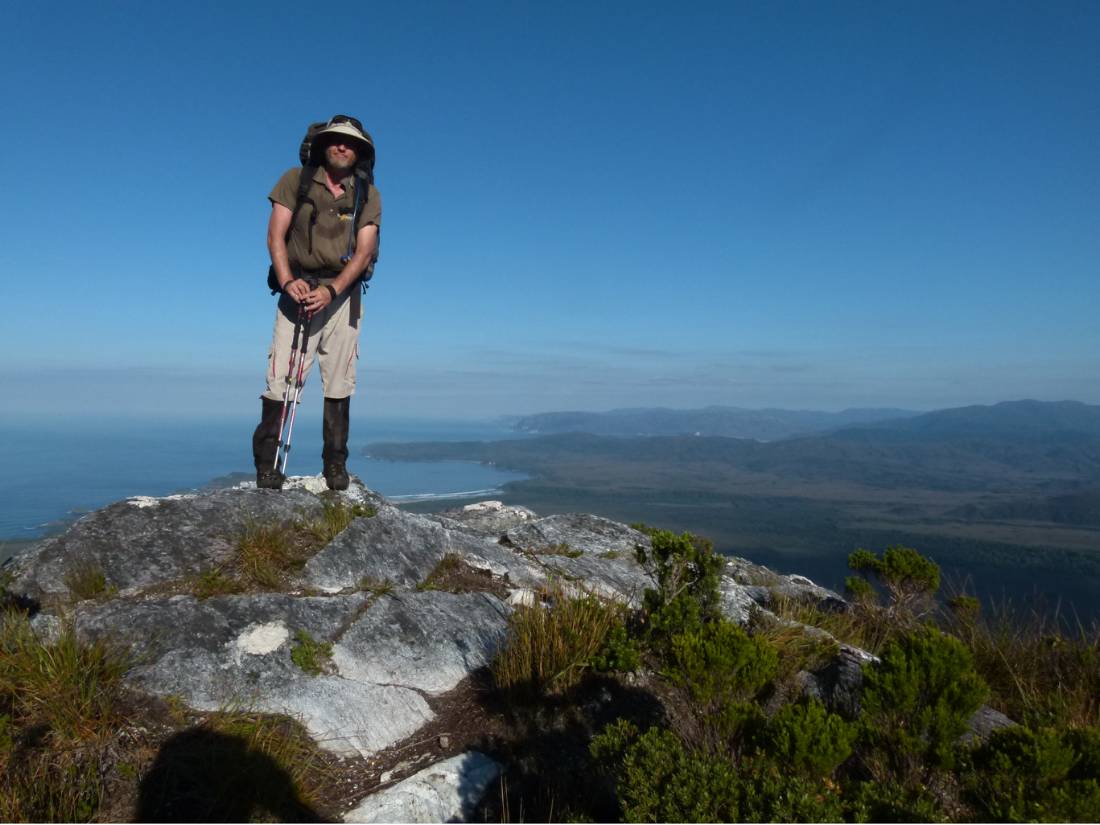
point(728, 422)
point(1048, 447)
point(1009, 491)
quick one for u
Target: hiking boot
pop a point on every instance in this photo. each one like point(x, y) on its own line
point(335, 453)
point(265, 443)
point(270, 479)
point(336, 476)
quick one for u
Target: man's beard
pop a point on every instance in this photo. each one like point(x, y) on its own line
point(339, 163)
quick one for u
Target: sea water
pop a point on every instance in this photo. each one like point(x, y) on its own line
point(53, 470)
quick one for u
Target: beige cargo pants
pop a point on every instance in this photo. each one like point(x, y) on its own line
point(333, 343)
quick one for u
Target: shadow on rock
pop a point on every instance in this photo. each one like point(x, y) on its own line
point(549, 773)
point(203, 776)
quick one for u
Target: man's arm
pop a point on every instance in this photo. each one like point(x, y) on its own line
point(277, 227)
point(366, 248)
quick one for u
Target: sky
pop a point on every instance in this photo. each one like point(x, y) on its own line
point(812, 205)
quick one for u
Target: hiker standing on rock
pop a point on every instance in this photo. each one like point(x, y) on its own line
point(323, 240)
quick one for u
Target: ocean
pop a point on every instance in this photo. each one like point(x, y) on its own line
point(53, 470)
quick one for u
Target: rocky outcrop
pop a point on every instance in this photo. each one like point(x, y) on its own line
point(445, 792)
point(360, 641)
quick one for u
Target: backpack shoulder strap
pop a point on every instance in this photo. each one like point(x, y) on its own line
point(303, 198)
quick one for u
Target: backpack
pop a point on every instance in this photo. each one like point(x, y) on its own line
point(363, 179)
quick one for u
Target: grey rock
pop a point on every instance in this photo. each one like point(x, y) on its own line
point(737, 601)
point(591, 535)
point(619, 579)
point(488, 517)
point(236, 651)
point(429, 641)
point(765, 586)
point(144, 541)
point(982, 724)
point(394, 546)
point(445, 792)
point(502, 563)
point(839, 684)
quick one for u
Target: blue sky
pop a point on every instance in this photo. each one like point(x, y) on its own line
point(587, 205)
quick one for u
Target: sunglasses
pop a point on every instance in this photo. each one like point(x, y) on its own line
point(351, 121)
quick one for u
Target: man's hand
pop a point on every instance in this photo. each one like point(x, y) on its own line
point(297, 289)
point(318, 299)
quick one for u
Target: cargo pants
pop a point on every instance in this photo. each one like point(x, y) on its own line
point(333, 342)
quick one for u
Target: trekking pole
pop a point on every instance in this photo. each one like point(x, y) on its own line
point(289, 379)
point(297, 387)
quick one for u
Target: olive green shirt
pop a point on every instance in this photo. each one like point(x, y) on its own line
point(331, 231)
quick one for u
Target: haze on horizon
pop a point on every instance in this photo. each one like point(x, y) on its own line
point(789, 205)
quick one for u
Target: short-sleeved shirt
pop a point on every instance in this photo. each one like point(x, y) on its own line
point(333, 227)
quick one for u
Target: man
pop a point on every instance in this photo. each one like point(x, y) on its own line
point(320, 248)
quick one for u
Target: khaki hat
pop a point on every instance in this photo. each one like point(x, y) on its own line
point(345, 129)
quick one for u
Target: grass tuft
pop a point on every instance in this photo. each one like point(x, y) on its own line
point(60, 703)
point(368, 584)
point(263, 555)
point(550, 648)
point(1040, 672)
point(215, 582)
point(448, 566)
point(85, 579)
point(334, 519)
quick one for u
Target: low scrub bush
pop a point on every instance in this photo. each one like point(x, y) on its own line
point(916, 704)
point(910, 580)
point(686, 570)
point(719, 663)
point(658, 779)
point(1046, 775)
point(808, 740)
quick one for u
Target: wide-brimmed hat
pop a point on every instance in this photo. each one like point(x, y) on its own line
point(348, 128)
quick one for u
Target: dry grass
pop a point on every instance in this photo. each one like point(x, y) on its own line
point(85, 579)
point(549, 648)
point(334, 519)
point(60, 703)
point(1040, 669)
point(862, 626)
point(264, 555)
point(799, 648)
point(281, 740)
point(215, 582)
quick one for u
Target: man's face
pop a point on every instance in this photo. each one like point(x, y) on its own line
point(340, 156)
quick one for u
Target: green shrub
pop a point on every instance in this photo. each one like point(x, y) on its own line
point(807, 739)
point(720, 663)
point(686, 570)
point(858, 589)
point(657, 779)
point(917, 701)
point(620, 652)
point(910, 579)
point(1023, 775)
